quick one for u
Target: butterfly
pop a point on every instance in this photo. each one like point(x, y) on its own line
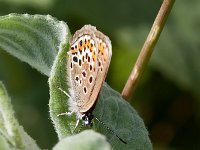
point(88, 61)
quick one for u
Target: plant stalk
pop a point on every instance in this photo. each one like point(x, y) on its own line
point(147, 49)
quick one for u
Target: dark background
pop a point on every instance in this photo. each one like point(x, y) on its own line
point(168, 95)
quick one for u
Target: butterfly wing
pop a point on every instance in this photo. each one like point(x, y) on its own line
point(104, 50)
point(88, 62)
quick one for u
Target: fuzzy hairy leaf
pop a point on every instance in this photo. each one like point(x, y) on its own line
point(111, 109)
point(34, 39)
point(88, 139)
point(120, 117)
point(4, 144)
point(12, 134)
point(37, 40)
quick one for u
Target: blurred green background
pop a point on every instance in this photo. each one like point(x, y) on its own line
point(168, 95)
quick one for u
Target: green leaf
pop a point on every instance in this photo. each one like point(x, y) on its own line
point(88, 140)
point(34, 39)
point(58, 101)
point(111, 109)
point(120, 117)
point(4, 144)
point(11, 133)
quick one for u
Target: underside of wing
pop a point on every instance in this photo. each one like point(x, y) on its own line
point(83, 68)
point(104, 54)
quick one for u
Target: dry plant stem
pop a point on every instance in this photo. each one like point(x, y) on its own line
point(147, 49)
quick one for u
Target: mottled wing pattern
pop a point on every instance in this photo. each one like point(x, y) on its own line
point(89, 58)
point(104, 50)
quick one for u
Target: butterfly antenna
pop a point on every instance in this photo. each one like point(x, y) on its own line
point(111, 130)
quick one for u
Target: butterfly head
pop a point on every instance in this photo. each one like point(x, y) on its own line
point(87, 119)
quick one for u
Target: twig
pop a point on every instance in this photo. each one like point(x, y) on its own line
point(147, 49)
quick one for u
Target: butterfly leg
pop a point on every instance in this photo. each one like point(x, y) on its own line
point(77, 122)
point(66, 113)
point(64, 92)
